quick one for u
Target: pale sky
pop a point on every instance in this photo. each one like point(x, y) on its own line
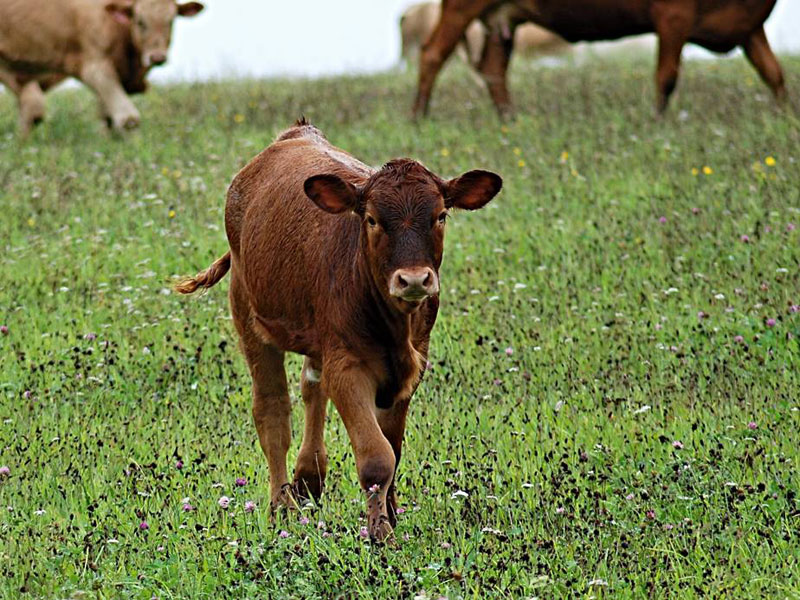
point(265, 38)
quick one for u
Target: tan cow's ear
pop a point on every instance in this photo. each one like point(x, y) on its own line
point(120, 10)
point(472, 190)
point(332, 193)
point(190, 9)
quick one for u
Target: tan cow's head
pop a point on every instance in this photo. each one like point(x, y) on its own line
point(151, 24)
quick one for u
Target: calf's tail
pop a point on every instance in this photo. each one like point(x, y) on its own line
point(206, 279)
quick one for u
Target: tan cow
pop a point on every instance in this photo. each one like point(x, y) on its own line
point(107, 44)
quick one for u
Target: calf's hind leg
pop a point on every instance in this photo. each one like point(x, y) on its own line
point(271, 404)
point(312, 461)
point(760, 55)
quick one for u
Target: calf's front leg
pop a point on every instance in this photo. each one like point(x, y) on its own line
point(353, 394)
point(312, 460)
point(393, 424)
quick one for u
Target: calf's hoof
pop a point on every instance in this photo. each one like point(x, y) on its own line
point(284, 500)
point(380, 530)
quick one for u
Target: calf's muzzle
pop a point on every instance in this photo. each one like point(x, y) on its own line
point(414, 284)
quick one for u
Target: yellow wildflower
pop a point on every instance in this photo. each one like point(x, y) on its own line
point(445, 152)
point(770, 161)
point(520, 163)
point(695, 171)
point(171, 214)
point(564, 156)
point(517, 151)
point(238, 117)
point(707, 170)
point(31, 221)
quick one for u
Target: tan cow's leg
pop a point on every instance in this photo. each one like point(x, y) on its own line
point(31, 106)
point(456, 16)
point(760, 55)
point(392, 422)
point(312, 461)
point(102, 78)
point(494, 64)
point(353, 394)
point(673, 30)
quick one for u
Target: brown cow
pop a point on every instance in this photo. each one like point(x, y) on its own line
point(718, 25)
point(108, 44)
point(339, 262)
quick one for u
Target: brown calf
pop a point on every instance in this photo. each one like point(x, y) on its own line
point(718, 25)
point(339, 262)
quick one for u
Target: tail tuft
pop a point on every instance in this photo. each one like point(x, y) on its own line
point(206, 279)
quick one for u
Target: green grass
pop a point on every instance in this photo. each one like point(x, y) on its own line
point(566, 446)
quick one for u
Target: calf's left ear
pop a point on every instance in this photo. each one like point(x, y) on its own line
point(332, 193)
point(190, 9)
point(472, 190)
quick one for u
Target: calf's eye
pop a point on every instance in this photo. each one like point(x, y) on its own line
point(442, 218)
point(370, 221)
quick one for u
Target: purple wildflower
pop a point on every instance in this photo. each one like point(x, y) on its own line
point(677, 444)
point(249, 506)
point(364, 533)
point(284, 534)
point(745, 238)
point(224, 501)
point(187, 507)
point(752, 425)
point(4, 329)
point(5, 471)
point(509, 351)
point(179, 464)
point(662, 219)
point(629, 497)
point(144, 526)
point(241, 482)
point(771, 322)
point(303, 520)
point(739, 339)
point(650, 514)
point(560, 510)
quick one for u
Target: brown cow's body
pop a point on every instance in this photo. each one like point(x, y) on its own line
point(718, 25)
point(356, 293)
point(108, 44)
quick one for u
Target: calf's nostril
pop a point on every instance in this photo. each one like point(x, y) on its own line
point(427, 281)
point(402, 282)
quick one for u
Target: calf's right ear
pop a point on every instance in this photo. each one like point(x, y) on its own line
point(120, 10)
point(332, 193)
point(472, 190)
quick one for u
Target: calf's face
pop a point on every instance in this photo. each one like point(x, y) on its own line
point(151, 24)
point(403, 209)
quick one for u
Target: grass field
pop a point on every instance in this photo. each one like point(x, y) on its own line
point(613, 408)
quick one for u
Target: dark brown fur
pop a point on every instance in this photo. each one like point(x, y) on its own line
point(718, 25)
point(339, 262)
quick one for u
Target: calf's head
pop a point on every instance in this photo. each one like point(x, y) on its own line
point(403, 208)
point(151, 24)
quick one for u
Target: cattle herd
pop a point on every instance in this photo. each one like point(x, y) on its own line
point(330, 258)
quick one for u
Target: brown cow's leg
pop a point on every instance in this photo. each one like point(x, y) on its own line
point(494, 65)
point(312, 461)
point(353, 394)
point(393, 424)
point(673, 28)
point(760, 55)
point(456, 16)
